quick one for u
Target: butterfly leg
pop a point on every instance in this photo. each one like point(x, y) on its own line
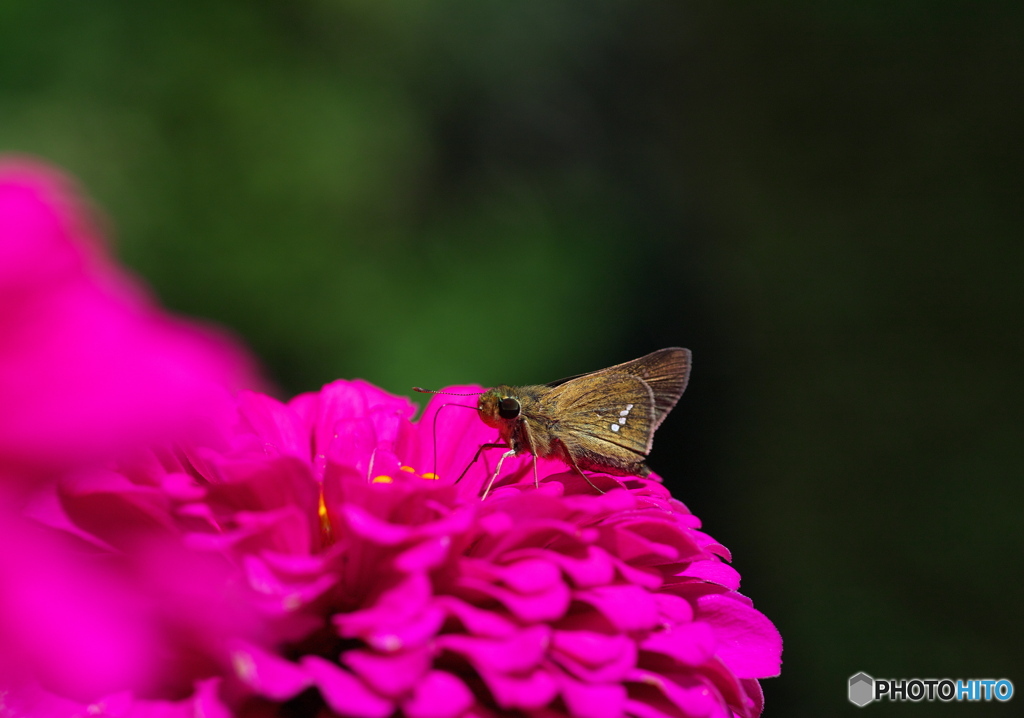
point(536, 481)
point(576, 468)
point(477, 456)
point(510, 452)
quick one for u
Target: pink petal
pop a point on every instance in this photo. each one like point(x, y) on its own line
point(755, 697)
point(439, 695)
point(346, 400)
point(344, 693)
point(520, 652)
point(269, 675)
point(400, 603)
point(391, 675)
point(673, 609)
point(549, 605)
point(689, 643)
point(587, 700)
point(648, 577)
point(78, 627)
point(592, 648)
point(478, 621)
point(286, 592)
point(531, 576)
point(205, 701)
point(714, 571)
point(533, 690)
point(592, 568)
point(367, 526)
point(417, 631)
point(594, 657)
point(748, 643)
point(280, 427)
point(629, 608)
point(425, 555)
point(699, 700)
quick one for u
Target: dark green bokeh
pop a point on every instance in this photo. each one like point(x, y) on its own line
point(820, 199)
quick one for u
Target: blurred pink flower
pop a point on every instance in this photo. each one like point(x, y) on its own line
point(309, 558)
point(89, 365)
point(90, 369)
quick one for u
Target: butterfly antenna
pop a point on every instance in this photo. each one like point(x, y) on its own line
point(438, 413)
point(449, 393)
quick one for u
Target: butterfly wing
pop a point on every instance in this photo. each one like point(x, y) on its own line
point(603, 419)
point(666, 371)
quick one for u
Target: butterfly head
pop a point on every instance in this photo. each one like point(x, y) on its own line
point(498, 408)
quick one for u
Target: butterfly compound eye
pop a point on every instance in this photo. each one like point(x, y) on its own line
point(508, 408)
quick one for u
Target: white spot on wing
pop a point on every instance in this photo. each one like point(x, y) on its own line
point(615, 427)
point(622, 420)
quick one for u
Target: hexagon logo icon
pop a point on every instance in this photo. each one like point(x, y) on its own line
point(862, 689)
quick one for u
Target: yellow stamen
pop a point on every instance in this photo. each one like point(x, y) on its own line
point(431, 476)
point(382, 480)
point(326, 530)
point(408, 469)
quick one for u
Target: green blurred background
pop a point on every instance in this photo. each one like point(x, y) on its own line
point(821, 200)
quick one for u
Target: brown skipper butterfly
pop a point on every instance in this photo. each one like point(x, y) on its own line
point(602, 421)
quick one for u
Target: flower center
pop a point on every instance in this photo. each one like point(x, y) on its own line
point(385, 479)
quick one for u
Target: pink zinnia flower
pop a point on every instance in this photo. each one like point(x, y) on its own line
point(89, 365)
point(90, 368)
point(312, 559)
